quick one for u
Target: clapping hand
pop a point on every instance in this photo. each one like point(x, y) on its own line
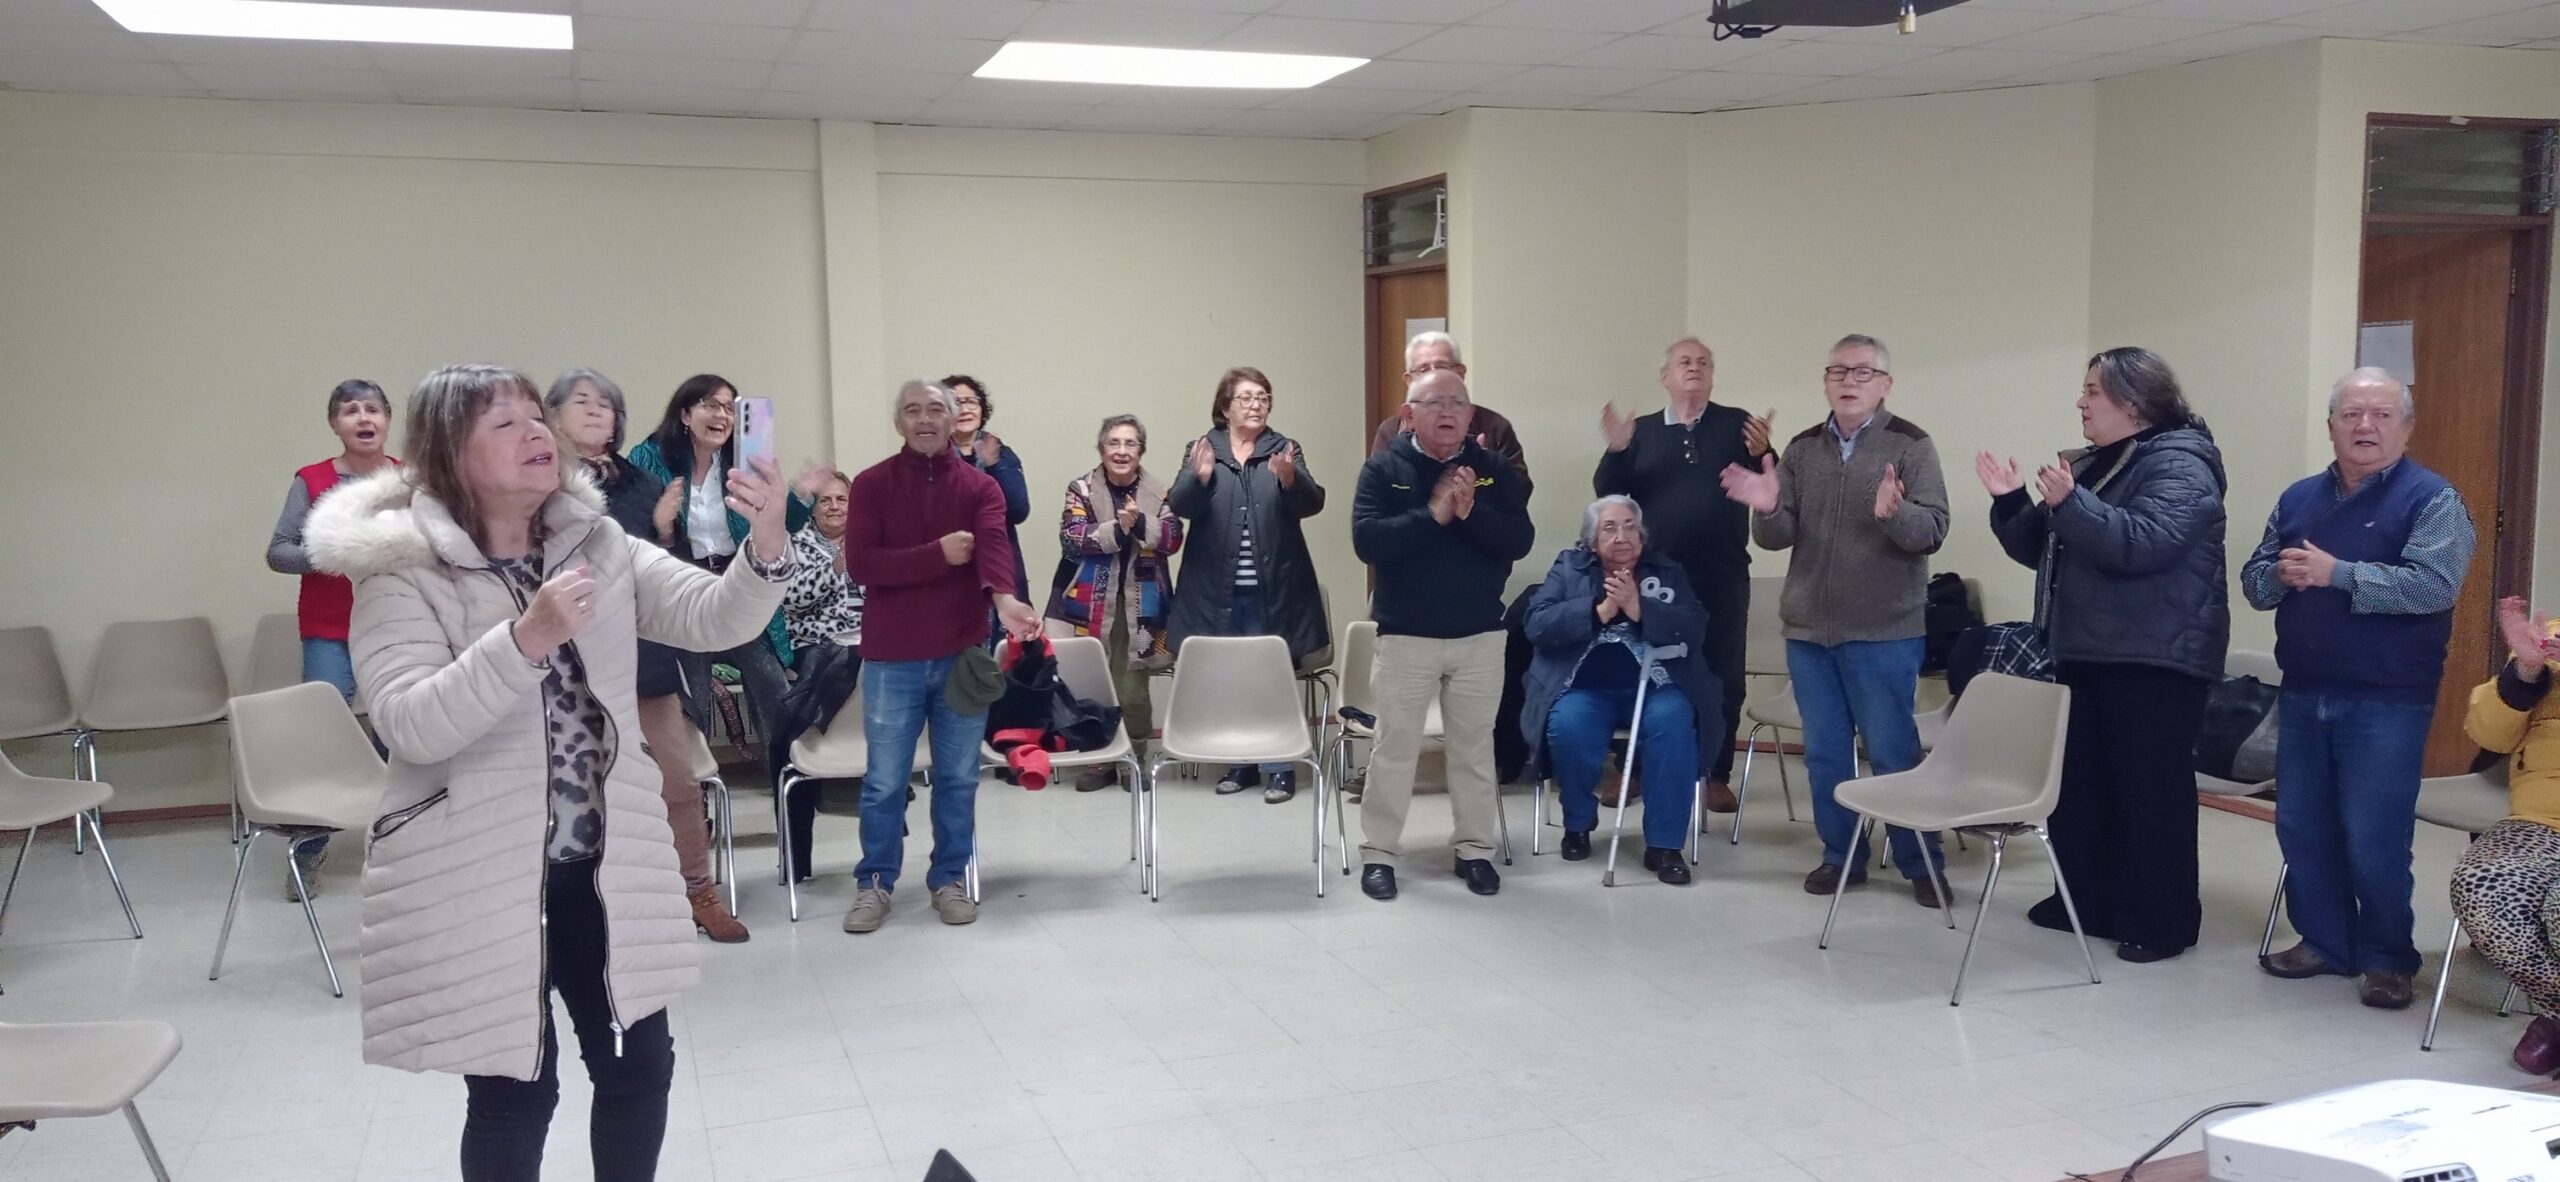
point(1129, 516)
point(1284, 464)
point(1203, 461)
point(1755, 433)
point(1616, 430)
point(2054, 481)
point(1444, 496)
point(1758, 490)
point(2306, 566)
point(1620, 587)
point(812, 480)
point(670, 503)
point(2528, 636)
point(1888, 494)
point(1999, 477)
point(1463, 501)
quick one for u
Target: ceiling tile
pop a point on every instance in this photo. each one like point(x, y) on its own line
point(1300, 124)
point(1710, 88)
point(1589, 83)
point(1226, 98)
point(1392, 122)
point(1390, 74)
point(958, 113)
point(938, 18)
point(750, 43)
point(1019, 93)
point(67, 14)
point(1649, 51)
point(652, 99)
point(854, 82)
point(1119, 24)
point(2400, 16)
point(265, 54)
point(2093, 68)
point(2236, 39)
point(1234, 6)
point(1955, 28)
point(2081, 7)
point(1605, 16)
point(258, 82)
point(35, 73)
point(1292, 34)
point(2106, 34)
point(72, 43)
point(1372, 103)
point(553, 6)
point(1835, 59)
point(782, 13)
point(2533, 24)
point(2229, 10)
point(855, 108)
point(464, 59)
point(671, 70)
point(818, 47)
point(1851, 89)
point(1976, 65)
point(1148, 120)
point(1425, 11)
point(1525, 102)
point(471, 90)
point(1527, 47)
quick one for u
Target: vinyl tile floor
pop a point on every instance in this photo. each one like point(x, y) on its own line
point(1243, 1028)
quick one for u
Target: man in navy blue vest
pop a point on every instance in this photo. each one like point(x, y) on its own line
point(2361, 564)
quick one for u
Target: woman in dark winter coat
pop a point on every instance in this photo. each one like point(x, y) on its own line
point(1604, 605)
point(1245, 568)
point(2126, 540)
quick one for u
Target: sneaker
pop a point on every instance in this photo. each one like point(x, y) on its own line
point(311, 855)
point(870, 910)
point(711, 918)
point(1283, 786)
point(1237, 779)
point(951, 902)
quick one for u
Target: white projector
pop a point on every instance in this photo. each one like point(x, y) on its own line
point(2399, 1130)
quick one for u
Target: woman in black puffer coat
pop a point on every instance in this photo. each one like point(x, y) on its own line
point(2126, 538)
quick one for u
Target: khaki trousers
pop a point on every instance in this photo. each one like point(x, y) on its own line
point(1465, 676)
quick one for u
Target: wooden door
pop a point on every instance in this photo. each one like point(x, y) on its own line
point(2457, 290)
point(1398, 297)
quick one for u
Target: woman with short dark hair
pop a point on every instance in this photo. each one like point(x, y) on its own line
point(2125, 537)
point(973, 442)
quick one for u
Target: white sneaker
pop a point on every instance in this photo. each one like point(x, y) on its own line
point(952, 904)
point(870, 910)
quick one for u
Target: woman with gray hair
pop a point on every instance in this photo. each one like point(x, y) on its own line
point(1604, 607)
point(587, 409)
point(1120, 532)
point(522, 848)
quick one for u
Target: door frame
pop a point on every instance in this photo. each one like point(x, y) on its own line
point(1369, 299)
point(2528, 323)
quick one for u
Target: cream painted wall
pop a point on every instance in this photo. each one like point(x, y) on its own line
point(1956, 228)
point(1084, 275)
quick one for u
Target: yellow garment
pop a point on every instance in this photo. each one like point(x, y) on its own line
point(2531, 743)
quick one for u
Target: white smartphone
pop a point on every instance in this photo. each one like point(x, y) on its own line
point(755, 430)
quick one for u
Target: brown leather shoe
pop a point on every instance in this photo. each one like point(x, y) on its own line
point(2387, 991)
point(2539, 1050)
point(1720, 798)
point(2299, 962)
point(711, 917)
point(1826, 878)
point(1927, 893)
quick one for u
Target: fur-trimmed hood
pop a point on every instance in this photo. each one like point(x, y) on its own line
point(383, 523)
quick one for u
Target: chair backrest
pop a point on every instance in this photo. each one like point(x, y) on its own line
point(2250, 662)
point(35, 699)
point(840, 749)
point(157, 673)
point(1055, 628)
point(2469, 803)
point(275, 653)
point(1234, 699)
point(299, 751)
point(1358, 653)
point(1764, 641)
point(1086, 668)
point(699, 763)
point(2007, 742)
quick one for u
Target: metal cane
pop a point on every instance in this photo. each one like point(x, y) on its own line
point(1653, 657)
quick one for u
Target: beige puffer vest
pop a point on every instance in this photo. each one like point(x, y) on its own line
point(452, 948)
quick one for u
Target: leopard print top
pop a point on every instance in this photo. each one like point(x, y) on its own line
point(580, 738)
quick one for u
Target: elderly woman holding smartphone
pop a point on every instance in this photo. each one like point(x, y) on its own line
point(523, 846)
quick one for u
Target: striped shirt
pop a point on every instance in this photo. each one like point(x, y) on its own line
point(1247, 574)
point(2427, 579)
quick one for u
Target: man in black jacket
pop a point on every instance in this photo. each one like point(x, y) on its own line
point(1441, 520)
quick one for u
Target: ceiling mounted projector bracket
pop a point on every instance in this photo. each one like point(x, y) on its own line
point(1759, 18)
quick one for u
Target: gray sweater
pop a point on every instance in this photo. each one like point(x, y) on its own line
point(1855, 577)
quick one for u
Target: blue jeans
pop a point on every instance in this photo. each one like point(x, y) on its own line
point(327, 660)
point(1244, 618)
point(2346, 812)
point(1579, 729)
point(899, 700)
point(1847, 692)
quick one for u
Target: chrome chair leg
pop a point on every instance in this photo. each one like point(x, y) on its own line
point(2275, 905)
point(1342, 800)
point(84, 766)
point(142, 1137)
point(2507, 1004)
point(2435, 1012)
point(20, 866)
point(302, 888)
point(239, 868)
point(1990, 883)
point(2063, 888)
point(729, 843)
point(1502, 821)
point(1698, 809)
point(782, 837)
point(1742, 787)
point(1786, 786)
point(108, 861)
point(1848, 867)
point(1155, 850)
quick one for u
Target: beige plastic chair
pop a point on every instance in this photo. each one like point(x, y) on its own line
point(2464, 804)
point(1085, 665)
point(840, 752)
point(32, 802)
point(275, 653)
point(152, 675)
point(1768, 700)
point(303, 764)
point(1234, 701)
point(35, 700)
point(1997, 773)
point(59, 1071)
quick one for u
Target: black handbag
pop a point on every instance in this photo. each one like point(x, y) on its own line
point(2234, 709)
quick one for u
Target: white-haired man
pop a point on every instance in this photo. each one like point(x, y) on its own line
point(1437, 352)
point(2362, 564)
point(925, 535)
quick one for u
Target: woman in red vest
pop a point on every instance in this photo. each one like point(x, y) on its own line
point(360, 413)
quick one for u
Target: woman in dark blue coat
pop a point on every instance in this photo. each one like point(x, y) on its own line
point(1605, 604)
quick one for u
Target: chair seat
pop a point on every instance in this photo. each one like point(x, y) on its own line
point(37, 727)
point(1776, 709)
point(2469, 803)
point(49, 1072)
point(343, 807)
point(843, 754)
point(1923, 798)
point(2217, 786)
point(153, 719)
point(1217, 749)
point(1115, 751)
point(28, 802)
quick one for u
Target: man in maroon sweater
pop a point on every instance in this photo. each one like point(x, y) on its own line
point(926, 539)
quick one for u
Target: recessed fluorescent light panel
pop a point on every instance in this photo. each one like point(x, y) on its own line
point(290, 21)
point(1129, 65)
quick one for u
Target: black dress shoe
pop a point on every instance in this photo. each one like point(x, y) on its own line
point(1480, 875)
point(1576, 847)
point(1378, 881)
point(1667, 865)
point(2144, 953)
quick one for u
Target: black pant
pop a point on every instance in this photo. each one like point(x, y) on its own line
point(1728, 603)
point(2125, 827)
point(802, 807)
point(509, 1118)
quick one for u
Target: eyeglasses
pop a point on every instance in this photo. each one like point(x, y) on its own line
point(1855, 375)
point(1428, 366)
point(1249, 400)
point(1441, 405)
